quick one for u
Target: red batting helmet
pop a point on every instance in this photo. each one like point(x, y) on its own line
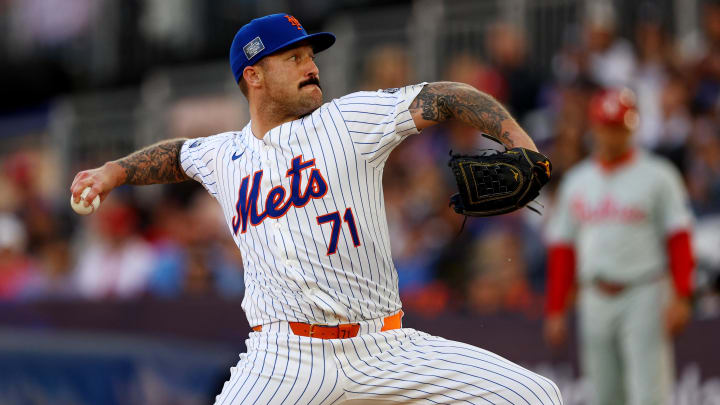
point(614, 107)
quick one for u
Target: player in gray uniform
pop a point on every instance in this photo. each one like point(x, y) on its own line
point(301, 190)
point(622, 219)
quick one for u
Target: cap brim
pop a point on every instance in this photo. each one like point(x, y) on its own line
point(319, 41)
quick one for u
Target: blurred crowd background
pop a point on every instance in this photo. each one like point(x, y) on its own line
point(86, 81)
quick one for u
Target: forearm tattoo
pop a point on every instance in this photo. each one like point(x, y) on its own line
point(442, 101)
point(159, 163)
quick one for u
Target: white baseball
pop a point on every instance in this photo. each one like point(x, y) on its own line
point(80, 207)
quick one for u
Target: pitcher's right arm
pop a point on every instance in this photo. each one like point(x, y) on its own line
point(155, 164)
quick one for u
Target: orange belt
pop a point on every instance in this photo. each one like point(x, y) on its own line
point(342, 331)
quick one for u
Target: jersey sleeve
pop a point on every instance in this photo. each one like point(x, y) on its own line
point(378, 121)
point(674, 205)
point(561, 228)
point(199, 158)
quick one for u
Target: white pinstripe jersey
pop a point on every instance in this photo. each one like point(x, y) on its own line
point(305, 206)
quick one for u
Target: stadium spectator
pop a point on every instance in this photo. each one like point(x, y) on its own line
point(114, 262)
point(192, 253)
point(507, 50)
point(386, 66)
point(18, 271)
point(610, 58)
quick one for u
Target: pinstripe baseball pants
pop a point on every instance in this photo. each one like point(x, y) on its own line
point(391, 367)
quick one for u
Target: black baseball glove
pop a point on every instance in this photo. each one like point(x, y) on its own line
point(498, 183)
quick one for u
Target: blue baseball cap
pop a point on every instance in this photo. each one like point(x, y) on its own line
point(265, 35)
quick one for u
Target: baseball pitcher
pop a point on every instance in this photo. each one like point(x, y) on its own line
point(301, 190)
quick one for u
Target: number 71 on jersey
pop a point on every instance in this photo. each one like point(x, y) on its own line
point(334, 218)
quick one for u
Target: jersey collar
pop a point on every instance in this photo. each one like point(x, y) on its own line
point(254, 143)
point(625, 159)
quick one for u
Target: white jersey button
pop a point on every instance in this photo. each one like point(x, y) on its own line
point(278, 225)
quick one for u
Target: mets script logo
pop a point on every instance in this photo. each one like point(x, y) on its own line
point(276, 204)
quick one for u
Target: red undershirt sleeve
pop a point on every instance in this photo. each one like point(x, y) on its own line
point(681, 262)
point(560, 278)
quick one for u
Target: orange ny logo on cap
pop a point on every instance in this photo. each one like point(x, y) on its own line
point(294, 21)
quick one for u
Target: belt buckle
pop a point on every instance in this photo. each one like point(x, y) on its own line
point(310, 333)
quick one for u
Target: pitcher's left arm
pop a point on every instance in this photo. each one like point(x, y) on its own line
point(441, 101)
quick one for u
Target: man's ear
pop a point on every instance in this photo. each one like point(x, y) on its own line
point(253, 76)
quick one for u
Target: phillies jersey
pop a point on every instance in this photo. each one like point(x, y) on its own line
point(305, 206)
point(619, 218)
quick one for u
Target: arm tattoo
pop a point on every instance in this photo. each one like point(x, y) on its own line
point(442, 101)
point(159, 163)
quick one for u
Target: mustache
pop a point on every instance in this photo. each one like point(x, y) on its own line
point(313, 80)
